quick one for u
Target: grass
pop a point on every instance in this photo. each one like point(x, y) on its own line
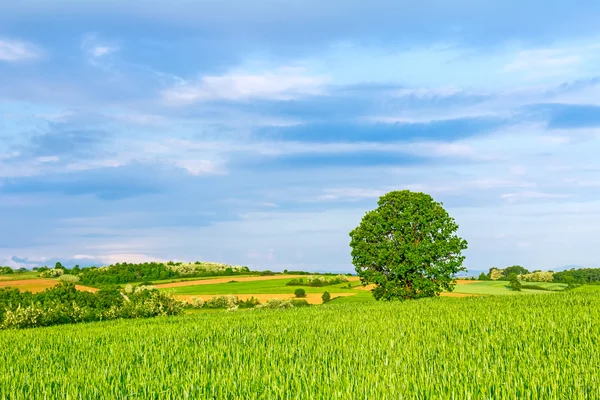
point(18, 277)
point(500, 287)
point(162, 281)
point(496, 347)
point(274, 286)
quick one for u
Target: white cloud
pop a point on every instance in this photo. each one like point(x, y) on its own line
point(541, 61)
point(532, 195)
point(14, 50)
point(95, 48)
point(280, 84)
point(99, 51)
point(199, 167)
point(48, 159)
point(351, 194)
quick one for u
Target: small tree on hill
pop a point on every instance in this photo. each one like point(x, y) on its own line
point(407, 247)
point(300, 292)
point(514, 283)
point(483, 277)
point(326, 297)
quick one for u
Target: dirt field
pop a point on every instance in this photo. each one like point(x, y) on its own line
point(38, 285)
point(311, 298)
point(229, 278)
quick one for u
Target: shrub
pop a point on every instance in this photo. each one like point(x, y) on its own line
point(249, 303)
point(69, 278)
point(300, 303)
point(326, 297)
point(196, 302)
point(6, 271)
point(228, 301)
point(52, 273)
point(276, 304)
point(495, 274)
point(300, 292)
point(514, 283)
point(538, 276)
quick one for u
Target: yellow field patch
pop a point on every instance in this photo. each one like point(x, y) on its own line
point(311, 298)
point(38, 285)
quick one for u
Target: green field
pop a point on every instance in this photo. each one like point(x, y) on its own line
point(542, 347)
point(501, 287)
point(274, 286)
point(20, 276)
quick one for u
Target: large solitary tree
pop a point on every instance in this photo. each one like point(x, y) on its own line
point(407, 247)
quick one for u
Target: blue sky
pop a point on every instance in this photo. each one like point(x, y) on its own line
point(259, 132)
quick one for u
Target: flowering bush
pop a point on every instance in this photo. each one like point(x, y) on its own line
point(68, 278)
point(538, 277)
point(52, 273)
point(64, 304)
point(276, 304)
point(228, 301)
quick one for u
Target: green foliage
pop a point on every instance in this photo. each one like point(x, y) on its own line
point(495, 274)
point(228, 301)
point(578, 276)
point(278, 304)
point(411, 350)
point(407, 247)
point(326, 297)
point(128, 273)
point(6, 271)
point(318, 281)
point(300, 292)
point(52, 273)
point(63, 304)
point(300, 303)
point(515, 269)
point(249, 303)
point(483, 277)
point(538, 276)
point(69, 278)
point(514, 283)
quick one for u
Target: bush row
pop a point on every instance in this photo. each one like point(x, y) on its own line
point(64, 304)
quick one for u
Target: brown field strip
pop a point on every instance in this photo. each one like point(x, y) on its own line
point(39, 285)
point(311, 298)
point(233, 277)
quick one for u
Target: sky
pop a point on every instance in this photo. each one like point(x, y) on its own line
point(260, 132)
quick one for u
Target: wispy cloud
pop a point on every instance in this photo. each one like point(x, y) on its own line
point(280, 84)
point(543, 60)
point(15, 50)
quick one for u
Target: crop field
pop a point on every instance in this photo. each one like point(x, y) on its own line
point(542, 346)
point(36, 285)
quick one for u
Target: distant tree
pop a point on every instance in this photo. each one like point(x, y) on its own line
point(515, 269)
point(285, 271)
point(483, 277)
point(300, 292)
point(407, 247)
point(326, 297)
point(514, 283)
point(494, 273)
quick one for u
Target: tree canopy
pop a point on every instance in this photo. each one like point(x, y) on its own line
point(407, 247)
